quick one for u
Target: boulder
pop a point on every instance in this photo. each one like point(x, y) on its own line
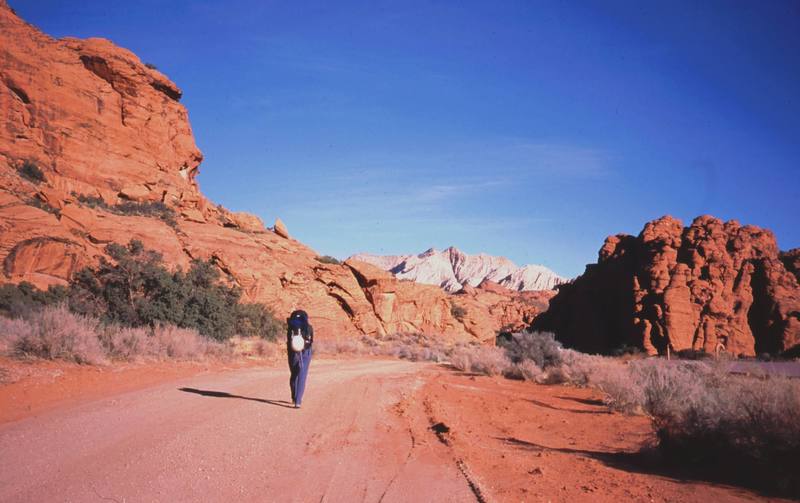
point(247, 222)
point(280, 229)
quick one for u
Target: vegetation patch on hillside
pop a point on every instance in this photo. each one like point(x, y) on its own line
point(153, 209)
point(135, 289)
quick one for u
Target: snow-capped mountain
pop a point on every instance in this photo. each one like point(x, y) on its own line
point(452, 269)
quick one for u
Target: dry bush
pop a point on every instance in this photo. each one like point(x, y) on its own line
point(622, 391)
point(185, 344)
point(267, 349)
point(739, 428)
point(528, 370)
point(340, 346)
point(539, 347)
point(11, 330)
point(125, 343)
point(412, 346)
point(485, 360)
point(56, 333)
point(538, 357)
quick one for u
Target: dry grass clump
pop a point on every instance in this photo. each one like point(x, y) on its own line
point(56, 333)
point(485, 360)
point(736, 427)
point(257, 347)
point(408, 346)
point(341, 346)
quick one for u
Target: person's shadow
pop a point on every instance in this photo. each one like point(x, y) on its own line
point(222, 394)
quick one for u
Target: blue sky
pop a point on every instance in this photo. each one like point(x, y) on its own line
point(526, 129)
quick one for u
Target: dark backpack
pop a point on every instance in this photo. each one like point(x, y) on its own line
point(298, 325)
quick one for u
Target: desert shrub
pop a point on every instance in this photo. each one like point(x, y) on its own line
point(627, 350)
point(255, 320)
point(136, 289)
point(341, 346)
point(156, 209)
point(20, 299)
point(31, 172)
point(91, 201)
point(458, 312)
point(539, 347)
point(12, 330)
point(622, 391)
point(486, 360)
point(56, 333)
point(184, 343)
point(528, 370)
point(327, 259)
point(739, 428)
point(266, 348)
point(125, 343)
point(38, 203)
point(151, 66)
point(412, 346)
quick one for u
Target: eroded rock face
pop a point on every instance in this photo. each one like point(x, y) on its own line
point(713, 284)
point(105, 129)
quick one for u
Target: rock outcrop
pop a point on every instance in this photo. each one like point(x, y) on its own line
point(95, 148)
point(453, 269)
point(708, 286)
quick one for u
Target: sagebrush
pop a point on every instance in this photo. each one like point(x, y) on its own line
point(56, 333)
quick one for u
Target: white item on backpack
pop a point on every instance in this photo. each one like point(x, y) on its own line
point(297, 342)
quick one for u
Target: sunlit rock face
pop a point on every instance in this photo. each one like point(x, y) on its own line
point(88, 131)
point(453, 269)
point(710, 286)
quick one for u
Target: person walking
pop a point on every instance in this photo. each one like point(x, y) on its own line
point(299, 338)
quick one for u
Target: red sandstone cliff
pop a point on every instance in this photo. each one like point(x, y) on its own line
point(105, 129)
point(687, 287)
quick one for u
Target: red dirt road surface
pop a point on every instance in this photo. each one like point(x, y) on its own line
point(368, 431)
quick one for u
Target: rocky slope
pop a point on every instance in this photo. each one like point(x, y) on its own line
point(451, 269)
point(117, 160)
point(712, 283)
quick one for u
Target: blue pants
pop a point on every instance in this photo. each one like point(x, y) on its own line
point(298, 365)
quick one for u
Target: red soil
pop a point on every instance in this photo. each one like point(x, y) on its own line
point(369, 430)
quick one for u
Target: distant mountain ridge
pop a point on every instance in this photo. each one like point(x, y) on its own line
point(451, 269)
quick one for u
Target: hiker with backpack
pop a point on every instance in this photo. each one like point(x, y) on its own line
point(299, 338)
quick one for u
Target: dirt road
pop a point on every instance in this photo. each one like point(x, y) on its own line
point(368, 431)
point(233, 437)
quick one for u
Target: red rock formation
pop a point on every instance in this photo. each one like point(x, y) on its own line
point(687, 288)
point(105, 129)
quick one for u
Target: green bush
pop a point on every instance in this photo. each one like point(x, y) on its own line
point(18, 300)
point(91, 201)
point(38, 203)
point(136, 289)
point(32, 172)
point(155, 209)
point(327, 259)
